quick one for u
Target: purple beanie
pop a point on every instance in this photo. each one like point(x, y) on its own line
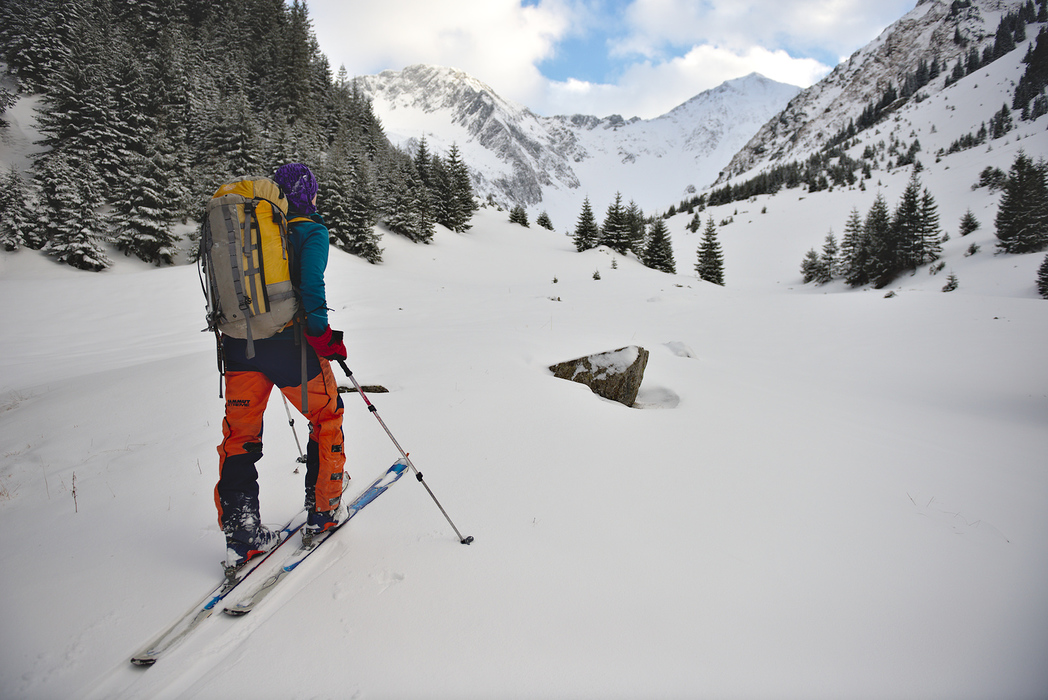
point(299, 185)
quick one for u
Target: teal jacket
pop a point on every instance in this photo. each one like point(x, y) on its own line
point(310, 242)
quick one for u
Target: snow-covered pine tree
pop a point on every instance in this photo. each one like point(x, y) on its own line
point(543, 220)
point(440, 190)
point(519, 215)
point(586, 235)
point(930, 233)
point(710, 264)
point(407, 207)
point(969, 224)
point(15, 220)
point(658, 253)
point(1042, 278)
point(1022, 217)
point(854, 251)
point(462, 204)
point(902, 249)
point(829, 260)
point(812, 268)
point(615, 232)
point(882, 264)
point(70, 225)
point(635, 226)
point(144, 216)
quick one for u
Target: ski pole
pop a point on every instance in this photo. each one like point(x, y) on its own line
point(418, 474)
point(291, 421)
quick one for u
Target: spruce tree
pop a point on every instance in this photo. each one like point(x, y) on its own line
point(543, 220)
point(906, 236)
point(635, 227)
point(519, 215)
point(15, 218)
point(710, 264)
point(615, 233)
point(930, 234)
point(70, 225)
point(658, 254)
point(882, 265)
point(969, 224)
point(145, 214)
point(586, 235)
point(1022, 217)
point(812, 268)
point(855, 251)
point(830, 262)
point(1042, 278)
point(462, 204)
point(347, 202)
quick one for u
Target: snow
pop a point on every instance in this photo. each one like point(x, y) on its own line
point(821, 492)
point(842, 495)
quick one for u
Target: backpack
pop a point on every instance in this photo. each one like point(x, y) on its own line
point(245, 262)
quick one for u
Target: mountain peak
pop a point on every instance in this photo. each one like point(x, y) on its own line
point(518, 157)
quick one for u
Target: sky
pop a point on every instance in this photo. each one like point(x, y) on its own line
point(601, 57)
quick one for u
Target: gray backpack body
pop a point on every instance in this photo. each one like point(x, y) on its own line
point(245, 259)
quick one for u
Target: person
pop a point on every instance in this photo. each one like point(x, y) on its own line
point(278, 361)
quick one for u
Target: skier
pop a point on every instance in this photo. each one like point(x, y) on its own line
point(278, 361)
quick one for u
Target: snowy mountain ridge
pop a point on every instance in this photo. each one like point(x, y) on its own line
point(819, 113)
point(553, 163)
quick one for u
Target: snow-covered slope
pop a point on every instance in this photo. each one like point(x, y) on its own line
point(821, 496)
point(817, 114)
point(553, 163)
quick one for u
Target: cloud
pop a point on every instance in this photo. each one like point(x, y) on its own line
point(497, 41)
point(649, 89)
point(804, 28)
point(659, 53)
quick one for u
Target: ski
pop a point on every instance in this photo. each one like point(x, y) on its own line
point(296, 557)
point(202, 610)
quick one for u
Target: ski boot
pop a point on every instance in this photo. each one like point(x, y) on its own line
point(318, 522)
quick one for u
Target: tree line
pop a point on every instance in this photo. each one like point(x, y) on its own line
point(148, 107)
point(875, 249)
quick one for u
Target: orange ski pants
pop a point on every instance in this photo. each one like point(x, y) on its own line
point(248, 385)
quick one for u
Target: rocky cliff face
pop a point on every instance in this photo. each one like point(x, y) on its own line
point(928, 33)
point(552, 163)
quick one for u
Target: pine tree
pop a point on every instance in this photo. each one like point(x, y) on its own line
point(882, 265)
point(1042, 278)
point(855, 251)
point(930, 233)
point(348, 204)
point(15, 218)
point(829, 260)
point(615, 233)
point(519, 215)
point(658, 254)
point(587, 235)
point(635, 227)
point(145, 215)
point(73, 231)
point(1022, 217)
point(462, 204)
point(710, 265)
point(969, 224)
point(812, 268)
point(544, 221)
point(906, 235)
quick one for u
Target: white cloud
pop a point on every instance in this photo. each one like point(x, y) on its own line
point(665, 51)
point(497, 41)
point(648, 89)
point(834, 27)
